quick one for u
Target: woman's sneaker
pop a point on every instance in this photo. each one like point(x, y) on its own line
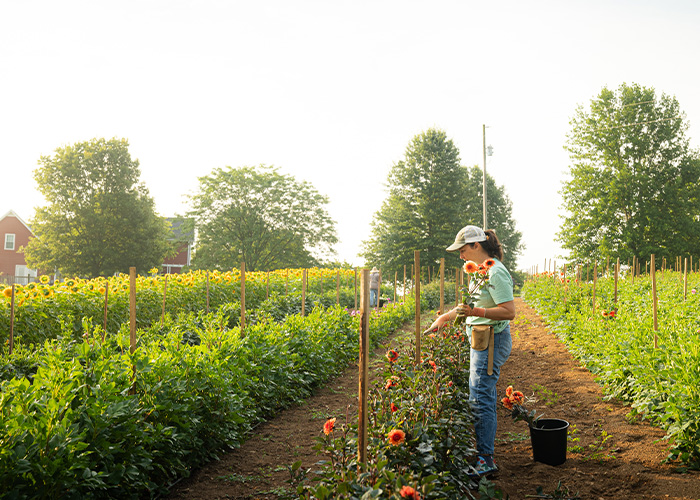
point(483, 467)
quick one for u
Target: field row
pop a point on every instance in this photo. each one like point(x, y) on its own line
point(609, 325)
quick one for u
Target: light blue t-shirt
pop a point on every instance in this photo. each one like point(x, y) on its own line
point(498, 290)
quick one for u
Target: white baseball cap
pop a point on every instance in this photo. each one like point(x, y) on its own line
point(468, 234)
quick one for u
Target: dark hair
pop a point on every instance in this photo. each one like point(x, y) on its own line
point(492, 245)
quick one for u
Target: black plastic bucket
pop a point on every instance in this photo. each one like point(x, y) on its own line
point(548, 439)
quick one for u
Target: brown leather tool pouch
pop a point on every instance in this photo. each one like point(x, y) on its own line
point(480, 336)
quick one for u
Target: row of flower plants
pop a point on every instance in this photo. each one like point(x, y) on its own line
point(420, 441)
point(45, 311)
point(656, 372)
point(89, 419)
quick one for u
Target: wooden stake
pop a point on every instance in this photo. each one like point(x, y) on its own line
point(242, 298)
point(337, 288)
point(303, 292)
point(595, 279)
point(685, 278)
point(396, 276)
point(416, 258)
point(104, 322)
point(655, 302)
point(442, 285)
point(363, 390)
point(617, 272)
point(207, 294)
point(165, 291)
point(12, 321)
point(403, 298)
point(132, 310)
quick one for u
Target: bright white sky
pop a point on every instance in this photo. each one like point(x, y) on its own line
point(330, 91)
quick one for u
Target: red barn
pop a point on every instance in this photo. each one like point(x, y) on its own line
point(15, 234)
point(184, 241)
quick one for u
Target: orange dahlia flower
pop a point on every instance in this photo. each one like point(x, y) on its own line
point(329, 426)
point(396, 436)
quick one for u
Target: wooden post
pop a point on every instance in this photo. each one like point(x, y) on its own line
point(655, 303)
point(617, 272)
point(685, 278)
point(416, 258)
point(457, 277)
point(337, 288)
point(165, 291)
point(364, 372)
point(12, 321)
point(207, 292)
point(104, 322)
point(403, 297)
point(442, 285)
point(356, 288)
point(132, 309)
point(242, 297)
point(595, 279)
point(303, 292)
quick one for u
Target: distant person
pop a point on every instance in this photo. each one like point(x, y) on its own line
point(494, 307)
point(373, 287)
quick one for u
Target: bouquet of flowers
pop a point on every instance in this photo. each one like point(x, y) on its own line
point(477, 279)
point(514, 401)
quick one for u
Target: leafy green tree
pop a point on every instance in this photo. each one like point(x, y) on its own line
point(100, 218)
point(633, 183)
point(261, 217)
point(430, 198)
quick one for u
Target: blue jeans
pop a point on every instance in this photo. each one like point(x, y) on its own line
point(482, 390)
point(372, 297)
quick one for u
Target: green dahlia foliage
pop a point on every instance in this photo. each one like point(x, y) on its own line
point(616, 343)
point(420, 435)
point(94, 421)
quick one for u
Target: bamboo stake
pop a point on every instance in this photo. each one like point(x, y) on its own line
point(685, 278)
point(363, 389)
point(416, 258)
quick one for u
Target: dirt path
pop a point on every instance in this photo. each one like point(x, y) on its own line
point(627, 465)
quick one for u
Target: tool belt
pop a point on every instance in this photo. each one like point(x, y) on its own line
point(482, 339)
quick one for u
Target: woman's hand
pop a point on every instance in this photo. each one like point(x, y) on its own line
point(439, 322)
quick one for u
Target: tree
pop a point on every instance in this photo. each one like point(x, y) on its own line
point(430, 198)
point(100, 219)
point(261, 217)
point(633, 188)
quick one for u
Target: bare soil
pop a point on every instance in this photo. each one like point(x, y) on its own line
point(616, 457)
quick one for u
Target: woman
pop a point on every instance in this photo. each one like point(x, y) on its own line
point(494, 307)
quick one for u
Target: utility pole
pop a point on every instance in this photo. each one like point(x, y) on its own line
point(485, 219)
